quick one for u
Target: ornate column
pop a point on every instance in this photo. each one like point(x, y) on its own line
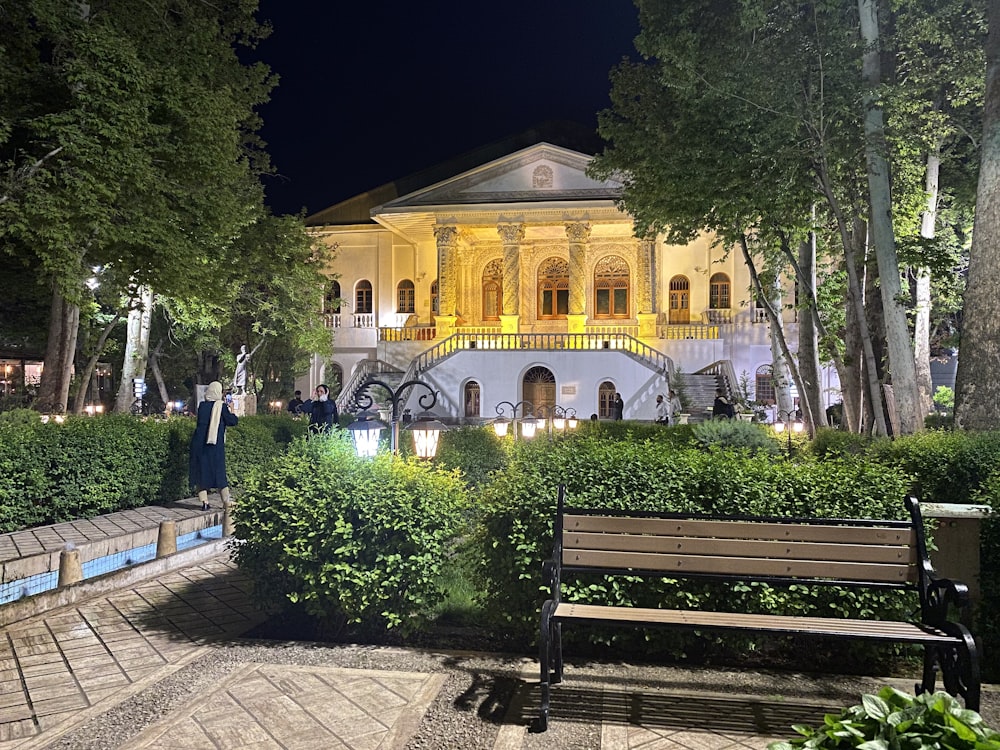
point(578, 234)
point(511, 236)
point(447, 244)
point(646, 288)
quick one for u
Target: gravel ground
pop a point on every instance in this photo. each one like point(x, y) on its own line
point(483, 691)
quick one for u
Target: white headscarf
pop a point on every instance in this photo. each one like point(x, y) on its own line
point(214, 393)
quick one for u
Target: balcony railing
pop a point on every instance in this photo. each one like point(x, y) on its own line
point(364, 320)
point(332, 320)
point(413, 333)
point(540, 342)
point(678, 332)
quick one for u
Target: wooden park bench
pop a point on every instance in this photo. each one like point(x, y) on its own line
point(777, 551)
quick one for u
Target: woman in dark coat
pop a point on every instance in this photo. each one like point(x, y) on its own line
point(208, 445)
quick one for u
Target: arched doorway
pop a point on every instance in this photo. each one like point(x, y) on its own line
point(606, 399)
point(539, 387)
point(680, 300)
point(471, 400)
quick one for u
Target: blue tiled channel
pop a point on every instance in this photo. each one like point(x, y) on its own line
point(36, 584)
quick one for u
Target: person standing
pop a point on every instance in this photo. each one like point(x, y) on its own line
point(295, 405)
point(675, 407)
point(618, 408)
point(207, 468)
point(662, 410)
point(322, 410)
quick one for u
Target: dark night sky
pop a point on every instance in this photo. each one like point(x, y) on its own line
point(370, 92)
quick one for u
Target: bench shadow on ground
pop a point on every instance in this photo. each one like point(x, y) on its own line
point(619, 702)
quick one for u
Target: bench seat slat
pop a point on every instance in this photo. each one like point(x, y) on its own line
point(788, 532)
point(782, 550)
point(866, 629)
point(734, 567)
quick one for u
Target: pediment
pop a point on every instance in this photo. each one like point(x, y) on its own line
point(540, 173)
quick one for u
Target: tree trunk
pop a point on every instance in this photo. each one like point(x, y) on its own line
point(88, 372)
point(869, 367)
point(977, 387)
point(774, 319)
point(904, 376)
point(808, 354)
point(922, 296)
point(57, 372)
point(136, 347)
point(779, 362)
point(154, 365)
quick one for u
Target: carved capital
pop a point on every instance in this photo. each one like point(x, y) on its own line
point(446, 234)
point(578, 231)
point(510, 234)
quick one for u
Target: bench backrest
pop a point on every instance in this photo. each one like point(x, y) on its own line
point(831, 551)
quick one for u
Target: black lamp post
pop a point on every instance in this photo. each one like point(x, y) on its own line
point(784, 423)
point(362, 430)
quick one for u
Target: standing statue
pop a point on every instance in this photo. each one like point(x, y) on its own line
point(242, 362)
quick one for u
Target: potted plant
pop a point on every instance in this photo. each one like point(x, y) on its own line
point(893, 719)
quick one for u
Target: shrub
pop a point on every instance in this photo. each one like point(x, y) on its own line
point(947, 467)
point(476, 451)
point(735, 433)
point(829, 443)
point(893, 719)
point(353, 540)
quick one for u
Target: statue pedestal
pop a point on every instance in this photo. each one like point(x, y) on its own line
point(244, 405)
point(444, 326)
point(510, 323)
point(647, 325)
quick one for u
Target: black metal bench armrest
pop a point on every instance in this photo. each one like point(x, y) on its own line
point(550, 577)
point(942, 594)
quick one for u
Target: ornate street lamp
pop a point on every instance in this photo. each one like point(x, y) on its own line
point(397, 397)
point(501, 423)
point(784, 423)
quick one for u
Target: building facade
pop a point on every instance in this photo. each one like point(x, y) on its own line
point(520, 279)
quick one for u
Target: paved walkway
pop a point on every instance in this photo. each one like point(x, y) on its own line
point(157, 662)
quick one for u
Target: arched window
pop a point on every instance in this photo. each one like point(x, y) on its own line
point(405, 297)
point(471, 399)
point(363, 297)
point(553, 289)
point(764, 385)
point(434, 297)
point(331, 298)
point(611, 288)
point(493, 290)
point(680, 300)
point(606, 399)
point(719, 292)
point(539, 387)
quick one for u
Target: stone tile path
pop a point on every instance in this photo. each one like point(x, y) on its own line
point(276, 706)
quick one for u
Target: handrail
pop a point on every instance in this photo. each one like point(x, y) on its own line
point(362, 371)
point(722, 369)
point(457, 342)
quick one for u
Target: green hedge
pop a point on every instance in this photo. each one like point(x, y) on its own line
point(353, 540)
point(88, 466)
